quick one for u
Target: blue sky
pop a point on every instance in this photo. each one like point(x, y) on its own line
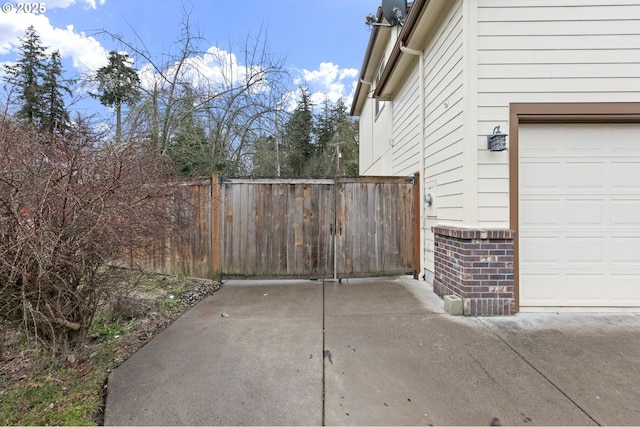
point(322, 41)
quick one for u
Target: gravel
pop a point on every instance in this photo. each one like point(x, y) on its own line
point(201, 289)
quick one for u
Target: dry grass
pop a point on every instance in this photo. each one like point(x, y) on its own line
point(39, 389)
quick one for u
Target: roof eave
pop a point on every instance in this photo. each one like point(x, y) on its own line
point(360, 93)
point(419, 27)
point(414, 17)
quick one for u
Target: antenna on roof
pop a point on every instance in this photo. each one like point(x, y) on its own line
point(394, 11)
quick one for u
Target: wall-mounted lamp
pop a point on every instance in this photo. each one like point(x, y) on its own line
point(497, 141)
point(428, 199)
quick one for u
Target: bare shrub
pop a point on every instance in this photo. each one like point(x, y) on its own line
point(69, 204)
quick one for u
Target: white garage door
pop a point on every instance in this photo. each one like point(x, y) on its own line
point(579, 215)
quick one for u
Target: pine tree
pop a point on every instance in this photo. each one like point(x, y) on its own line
point(324, 127)
point(265, 157)
point(346, 133)
point(119, 84)
point(298, 136)
point(56, 116)
point(27, 75)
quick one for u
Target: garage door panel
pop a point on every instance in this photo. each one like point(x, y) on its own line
point(540, 213)
point(625, 213)
point(625, 250)
point(625, 289)
point(624, 139)
point(547, 142)
point(581, 212)
point(572, 137)
point(541, 175)
point(579, 215)
point(580, 250)
point(584, 175)
point(583, 289)
point(541, 250)
point(625, 175)
point(540, 289)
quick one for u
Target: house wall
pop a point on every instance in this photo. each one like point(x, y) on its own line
point(406, 127)
point(547, 51)
point(444, 126)
point(365, 130)
point(377, 127)
point(376, 159)
point(480, 57)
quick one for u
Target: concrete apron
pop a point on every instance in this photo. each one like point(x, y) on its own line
point(376, 352)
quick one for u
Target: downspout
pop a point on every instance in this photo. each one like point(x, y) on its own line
point(420, 55)
point(372, 121)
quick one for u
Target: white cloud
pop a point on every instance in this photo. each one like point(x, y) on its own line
point(92, 4)
point(215, 70)
point(328, 81)
point(86, 53)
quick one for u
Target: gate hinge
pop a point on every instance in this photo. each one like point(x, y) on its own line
point(411, 180)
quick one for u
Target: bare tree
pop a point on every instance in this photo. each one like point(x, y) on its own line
point(67, 208)
point(206, 108)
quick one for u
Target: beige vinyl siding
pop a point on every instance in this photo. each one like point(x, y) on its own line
point(376, 127)
point(548, 51)
point(366, 134)
point(444, 126)
point(375, 158)
point(406, 127)
point(444, 137)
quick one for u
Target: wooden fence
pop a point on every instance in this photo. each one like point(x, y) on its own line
point(278, 227)
point(190, 247)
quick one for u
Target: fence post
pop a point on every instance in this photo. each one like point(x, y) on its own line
point(216, 203)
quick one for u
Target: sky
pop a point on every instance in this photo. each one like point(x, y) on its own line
point(322, 42)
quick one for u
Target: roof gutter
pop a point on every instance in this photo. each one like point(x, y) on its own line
point(415, 13)
point(365, 62)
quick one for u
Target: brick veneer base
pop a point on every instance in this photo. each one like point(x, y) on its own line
point(476, 265)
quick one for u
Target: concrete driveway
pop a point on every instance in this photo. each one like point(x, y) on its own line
point(376, 352)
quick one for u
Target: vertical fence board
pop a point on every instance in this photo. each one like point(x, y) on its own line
point(216, 216)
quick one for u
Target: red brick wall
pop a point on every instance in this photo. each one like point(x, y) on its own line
point(477, 266)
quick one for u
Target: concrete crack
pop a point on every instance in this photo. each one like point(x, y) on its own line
point(524, 359)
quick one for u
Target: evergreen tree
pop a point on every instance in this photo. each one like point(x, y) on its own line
point(28, 74)
point(118, 83)
point(336, 142)
point(298, 137)
point(56, 116)
point(188, 147)
point(346, 136)
point(325, 127)
point(265, 157)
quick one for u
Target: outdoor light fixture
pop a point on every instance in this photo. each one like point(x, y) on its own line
point(428, 199)
point(497, 141)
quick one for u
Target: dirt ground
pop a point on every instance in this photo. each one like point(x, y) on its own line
point(38, 388)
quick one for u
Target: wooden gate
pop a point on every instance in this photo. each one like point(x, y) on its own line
point(375, 226)
point(317, 228)
point(277, 227)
